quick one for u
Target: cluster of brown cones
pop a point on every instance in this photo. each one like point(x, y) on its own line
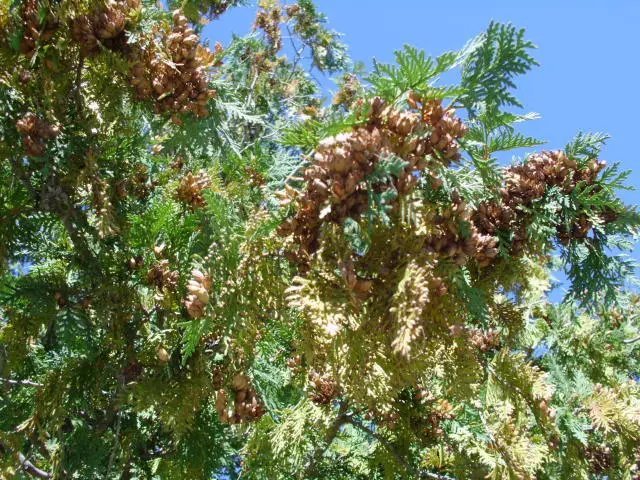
point(218, 7)
point(171, 70)
point(268, 20)
point(168, 67)
point(336, 185)
point(34, 29)
point(483, 340)
point(324, 388)
point(162, 277)
point(449, 243)
point(529, 181)
point(104, 27)
point(35, 133)
point(441, 411)
point(246, 407)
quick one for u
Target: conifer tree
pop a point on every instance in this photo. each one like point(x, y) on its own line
point(209, 270)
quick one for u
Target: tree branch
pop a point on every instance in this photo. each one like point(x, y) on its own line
point(22, 176)
point(31, 469)
point(66, 216)
point(78, 84)
point(396, 455)
point(26, 383)
point(116, 444)
point(26, 465)
point(329, 437)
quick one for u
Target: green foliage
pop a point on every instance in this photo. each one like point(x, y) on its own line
point(494, 59)
point(414, 71)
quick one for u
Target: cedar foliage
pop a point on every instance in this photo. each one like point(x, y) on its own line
point(207, 271)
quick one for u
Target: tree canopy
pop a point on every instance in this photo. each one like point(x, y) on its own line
point(208, 269)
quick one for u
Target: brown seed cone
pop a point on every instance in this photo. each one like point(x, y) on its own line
point(449, 243)
point(218, 7)
point(191, 188)
point(324, 388)
point(347, 94)
point(600, 458)
point(485, 340)
point(104, 27)
point(198, 297)
point(268, 20)
point(530, 181)
point(162, 276)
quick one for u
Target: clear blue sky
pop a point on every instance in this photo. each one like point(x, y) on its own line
point(589, 51)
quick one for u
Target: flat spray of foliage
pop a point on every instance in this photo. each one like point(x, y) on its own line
point(208, 271)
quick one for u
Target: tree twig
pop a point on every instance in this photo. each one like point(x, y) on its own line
point(26, 465)
point(116, 445)
point(22, 176)
point(329, 437)
point(26, 383)
point(396, 455)
point(31, 469)
point(78, 84)
point(66, 217)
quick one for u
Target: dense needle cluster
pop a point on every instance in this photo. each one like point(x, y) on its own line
point(35, 132)
point(337, 185)
point(104, 27)
point(171, 70)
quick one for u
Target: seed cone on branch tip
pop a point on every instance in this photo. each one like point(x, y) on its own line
point(35, 133)
point(246, 406)
point(180, 84)
point(323, 388)
point(268, 20)
point(449, 243)
point(34, 28)
point(347, 94)
point(191, 188)
point(198, 287)
point(529, 181)
point(104, 27)
point(161, 275)
point(218, 7)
